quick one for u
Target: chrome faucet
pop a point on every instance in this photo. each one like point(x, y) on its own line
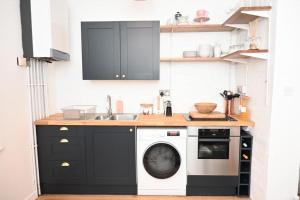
point(109, 110)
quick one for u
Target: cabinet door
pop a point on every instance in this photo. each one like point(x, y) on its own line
point(111, 156)
point(100, 50)
point(140, 50)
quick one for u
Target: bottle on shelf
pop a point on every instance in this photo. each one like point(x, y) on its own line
point(246, 157)
point(245, 144)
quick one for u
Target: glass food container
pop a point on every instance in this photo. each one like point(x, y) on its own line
point(79, 112)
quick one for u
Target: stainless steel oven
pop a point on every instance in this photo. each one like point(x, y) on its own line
point(213, 151)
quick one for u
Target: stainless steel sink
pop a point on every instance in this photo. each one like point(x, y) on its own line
point(124, 117)
point(102, 117)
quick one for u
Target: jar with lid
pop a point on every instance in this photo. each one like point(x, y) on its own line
point(146, 108)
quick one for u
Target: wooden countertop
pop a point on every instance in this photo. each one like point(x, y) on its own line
point(143, 120)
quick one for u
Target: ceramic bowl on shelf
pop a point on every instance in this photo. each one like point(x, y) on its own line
point(201, 20)
point(205, 108)
point(205, 50)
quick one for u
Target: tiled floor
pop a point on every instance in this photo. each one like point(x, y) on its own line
point(121, 197)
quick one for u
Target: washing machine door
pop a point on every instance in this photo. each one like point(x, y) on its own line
point(161, 160)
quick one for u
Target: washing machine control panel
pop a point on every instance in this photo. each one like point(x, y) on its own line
point(160, 133)
point(173, 133)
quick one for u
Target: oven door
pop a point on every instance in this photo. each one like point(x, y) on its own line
point(213, 157)
point(213, 148)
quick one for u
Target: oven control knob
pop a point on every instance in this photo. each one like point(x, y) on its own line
point(162, 135)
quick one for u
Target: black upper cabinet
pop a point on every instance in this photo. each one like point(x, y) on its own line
point(120, 50)
point(140, 50)
point(100, 50)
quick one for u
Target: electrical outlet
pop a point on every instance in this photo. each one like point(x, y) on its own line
point(22, 62)
point(164, 92)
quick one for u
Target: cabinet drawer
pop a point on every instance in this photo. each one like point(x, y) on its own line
point(63, 172)
point(59, 148)
point(59, 131)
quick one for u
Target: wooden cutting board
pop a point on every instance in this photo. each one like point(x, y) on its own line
point(213, 115)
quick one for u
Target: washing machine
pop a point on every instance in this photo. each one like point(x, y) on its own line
point(161, 161)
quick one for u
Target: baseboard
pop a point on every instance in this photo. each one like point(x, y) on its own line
point(32, 196)
point(88, 189)
point(176, 192)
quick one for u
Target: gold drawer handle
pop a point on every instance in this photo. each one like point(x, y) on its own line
point(64, 140)
point(63, 128)
point(65, 164)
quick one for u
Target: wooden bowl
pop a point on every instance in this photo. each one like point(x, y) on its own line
point(205, 107)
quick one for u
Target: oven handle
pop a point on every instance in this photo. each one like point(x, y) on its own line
point(214, 140)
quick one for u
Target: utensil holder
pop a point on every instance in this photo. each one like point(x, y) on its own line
point(228, 107)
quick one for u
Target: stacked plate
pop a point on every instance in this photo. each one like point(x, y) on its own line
point(190, 54)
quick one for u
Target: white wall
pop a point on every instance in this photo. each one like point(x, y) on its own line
point(16, 166)
point(284, 148)
point(189, 82)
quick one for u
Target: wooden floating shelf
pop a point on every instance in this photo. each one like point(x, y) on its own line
point(195, 28)
point(237, 56)
point(241, 54)
point(242, 17)
point(197, 59)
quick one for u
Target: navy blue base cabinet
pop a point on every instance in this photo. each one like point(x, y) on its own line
point(212, 185)
point(87, 159)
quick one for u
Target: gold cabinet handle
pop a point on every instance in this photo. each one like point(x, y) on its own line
point(65, 164)
point(64, 140)
point(131, 130)
point(63, 128)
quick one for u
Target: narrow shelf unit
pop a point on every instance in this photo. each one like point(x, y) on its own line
point(246, 145)
point(196, 59)
point(195, 28)
point(244, 15)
